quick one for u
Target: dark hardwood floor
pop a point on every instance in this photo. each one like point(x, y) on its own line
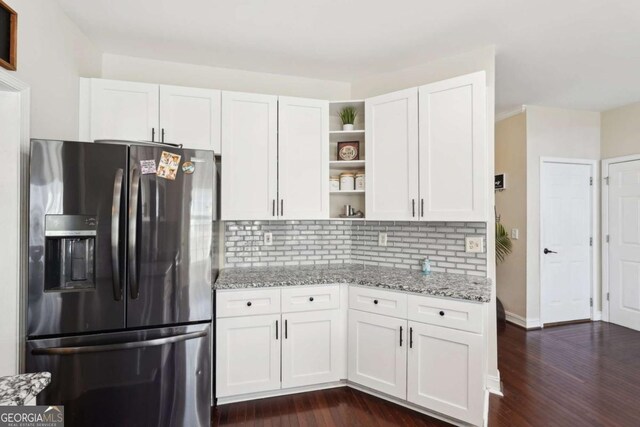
point(575, 375)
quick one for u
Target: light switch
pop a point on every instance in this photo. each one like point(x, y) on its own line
point(515, 233)
point(382, 239)
point(474, 245)
point(268, 239)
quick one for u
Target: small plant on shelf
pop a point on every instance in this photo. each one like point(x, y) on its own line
point(348, 116)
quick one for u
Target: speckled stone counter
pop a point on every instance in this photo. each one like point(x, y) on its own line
point(16, 390)
point(446, 285)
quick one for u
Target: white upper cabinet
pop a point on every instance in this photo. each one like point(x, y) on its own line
point(392, 156)
point(453, 158)
point(250, 160)
point(191, 117)
point(111, 109)
point(303, 158)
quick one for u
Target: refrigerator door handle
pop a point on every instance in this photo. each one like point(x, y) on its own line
point(133, 227)
point(49, 351)
point(115, 235)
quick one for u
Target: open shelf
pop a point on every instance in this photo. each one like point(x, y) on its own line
point(347, 192)
point(346, 164)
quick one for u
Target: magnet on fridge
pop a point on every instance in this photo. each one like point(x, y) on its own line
point(147, 167)
point(188, 168)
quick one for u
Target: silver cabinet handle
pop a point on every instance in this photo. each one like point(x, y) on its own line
point(119, 346)
point(421, 207)
point(153, 134)
point(162, 135)
point(133, 228)
point(413, 207)
point(115, 235)
point(281, 207)
point(273, 207)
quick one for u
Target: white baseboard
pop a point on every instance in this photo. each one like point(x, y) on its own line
point(494, 385)
point(521, 321)
point(280, 392)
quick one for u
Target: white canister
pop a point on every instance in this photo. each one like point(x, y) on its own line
point(334, 183)
point(347, 181)
point(359, 180)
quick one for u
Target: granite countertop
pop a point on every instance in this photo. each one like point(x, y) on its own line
point(448, 285)
point(16, 390)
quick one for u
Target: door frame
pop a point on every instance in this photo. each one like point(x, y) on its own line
point(20, 155)
point(595, 248)
point(605, 226)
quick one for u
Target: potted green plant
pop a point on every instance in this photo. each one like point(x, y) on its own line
point(348, 116)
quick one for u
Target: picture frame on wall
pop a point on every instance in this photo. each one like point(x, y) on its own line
point(8, 37)
point(348, 150)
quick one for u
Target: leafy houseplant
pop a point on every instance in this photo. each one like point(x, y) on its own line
point(348, 117)
point(503, 242)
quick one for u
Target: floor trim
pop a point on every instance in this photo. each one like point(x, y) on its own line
point(522, 322)
point(279, 392)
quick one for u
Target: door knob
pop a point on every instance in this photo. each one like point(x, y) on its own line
point(547, 251)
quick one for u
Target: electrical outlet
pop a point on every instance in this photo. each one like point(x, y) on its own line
point(382, 239)
point(268, 239)
point(474, 245)
point(515, 233)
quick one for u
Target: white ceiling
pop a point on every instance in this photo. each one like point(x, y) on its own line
point(582, 54)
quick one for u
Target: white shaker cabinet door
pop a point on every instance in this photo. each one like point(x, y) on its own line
point(311, 348)
point(119, 110)
point(454, 177)
point(191, 117)
point(378, 352)
point(250, 160)
point(392, 156)
point(303, 158)
point(445, 371)
point(247, 354)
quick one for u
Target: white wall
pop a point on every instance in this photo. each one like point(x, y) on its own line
point(552, 132)
point(52, 54)
point(120, 67)
point(621, 131)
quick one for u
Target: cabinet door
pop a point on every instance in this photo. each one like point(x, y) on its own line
point(445, 371)
point(392, 156)
point(247, 354)
point(453, 158)
point(250, 164)
point(191, 117)
point(303, 158)
point(310, 348)
point(123, 110)
point(378, 352)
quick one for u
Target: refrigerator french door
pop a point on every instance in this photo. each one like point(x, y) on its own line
point(120, 272)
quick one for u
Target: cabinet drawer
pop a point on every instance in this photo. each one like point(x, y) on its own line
point(247, 303)
point(310, 298)
point(377, 301)
point(465, 316)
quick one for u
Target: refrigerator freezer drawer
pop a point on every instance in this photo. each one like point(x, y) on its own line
point(155, 377)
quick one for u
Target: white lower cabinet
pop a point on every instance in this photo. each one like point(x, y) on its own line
point(378, 352)
point(310, 348)
point(445, 371)
point(247, 354)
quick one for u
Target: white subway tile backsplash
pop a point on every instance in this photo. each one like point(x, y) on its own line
point(337, 242)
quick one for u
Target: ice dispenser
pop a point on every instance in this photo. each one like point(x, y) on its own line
point(70, 252)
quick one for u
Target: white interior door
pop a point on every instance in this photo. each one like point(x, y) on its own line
point(190, 116)
point(565, 242)
point(624, 244)
point(303, 158)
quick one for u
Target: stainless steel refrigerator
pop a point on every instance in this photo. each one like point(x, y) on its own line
point(121, 262)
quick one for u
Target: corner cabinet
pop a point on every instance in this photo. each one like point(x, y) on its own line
point(113, 109)
point(427, 152)
point(275, 157)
